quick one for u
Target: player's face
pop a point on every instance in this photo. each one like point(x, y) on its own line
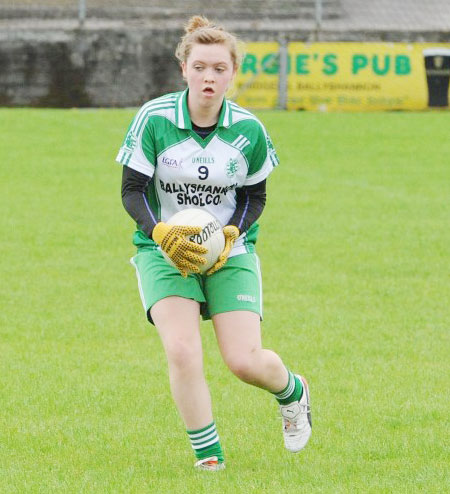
point(209, 71)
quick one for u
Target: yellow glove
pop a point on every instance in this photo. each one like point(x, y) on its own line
point(183, 253)
point(231, 233)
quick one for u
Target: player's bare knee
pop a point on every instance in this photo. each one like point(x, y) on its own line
point(183, 357)
point(242, 366)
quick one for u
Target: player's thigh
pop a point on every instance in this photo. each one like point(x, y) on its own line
point(235, 287)
point(238, 335)
point(158, 280)
point(177, 320)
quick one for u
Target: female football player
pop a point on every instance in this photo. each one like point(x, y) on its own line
point(190, 149)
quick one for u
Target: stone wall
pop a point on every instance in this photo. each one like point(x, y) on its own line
point(86, 68)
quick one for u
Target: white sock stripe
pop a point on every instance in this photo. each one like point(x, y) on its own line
point(195, 435)
point(213, 441)
point(290, 388)
point(287, 393)
point(204, 439)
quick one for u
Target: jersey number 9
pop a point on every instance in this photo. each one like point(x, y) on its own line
point(203, 172)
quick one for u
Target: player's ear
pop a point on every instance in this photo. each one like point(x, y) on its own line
point(183, 69)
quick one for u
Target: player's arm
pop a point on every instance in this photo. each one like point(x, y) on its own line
point(172, 239)
point(134, 200)
point(250, 202)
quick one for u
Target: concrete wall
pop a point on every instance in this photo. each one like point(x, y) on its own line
point(120, 65)
point(86, 68)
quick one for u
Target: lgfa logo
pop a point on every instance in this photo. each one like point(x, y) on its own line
point(171, 162)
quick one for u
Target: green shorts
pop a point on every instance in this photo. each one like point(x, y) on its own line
point(237, 286)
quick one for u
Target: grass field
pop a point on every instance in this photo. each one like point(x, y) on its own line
point(357, 297)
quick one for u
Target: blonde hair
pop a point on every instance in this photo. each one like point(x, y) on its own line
point(200, 30)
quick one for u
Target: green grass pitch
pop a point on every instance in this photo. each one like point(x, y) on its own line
point(355, 253)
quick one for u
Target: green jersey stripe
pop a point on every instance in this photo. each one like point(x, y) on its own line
point(180, 121)
point(236, 141)
point(239, 109)
point(240, 150)
point(149, 104)
point(227, 115)
point(241, 142)
point(143, 111)
point(149, 114)
point(122, 157)
point(273, 160)
point(172, 145)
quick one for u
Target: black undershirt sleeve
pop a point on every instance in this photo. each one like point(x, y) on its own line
point(250, 202)
point(134, 200)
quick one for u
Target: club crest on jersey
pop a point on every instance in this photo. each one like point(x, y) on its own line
point(232, 167)
point(130, 141)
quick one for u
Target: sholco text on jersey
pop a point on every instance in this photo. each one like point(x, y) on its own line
point(196, 194)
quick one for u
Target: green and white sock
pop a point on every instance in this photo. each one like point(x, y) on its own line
point(292, 392)
point(205, 442)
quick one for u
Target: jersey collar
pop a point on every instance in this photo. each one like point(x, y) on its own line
point(183, 120)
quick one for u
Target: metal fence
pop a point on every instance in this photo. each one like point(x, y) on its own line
point(313, 12)
point(315, 15)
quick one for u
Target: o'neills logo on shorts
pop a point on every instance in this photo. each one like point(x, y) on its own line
point(246, 298)
point(171, 162)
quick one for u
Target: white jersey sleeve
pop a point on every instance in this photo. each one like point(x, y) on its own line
point(263, 158)
point(138, 148)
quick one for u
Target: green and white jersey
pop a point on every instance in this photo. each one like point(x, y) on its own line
point(189, 171)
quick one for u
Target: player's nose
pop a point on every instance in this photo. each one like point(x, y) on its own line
point(209, 76)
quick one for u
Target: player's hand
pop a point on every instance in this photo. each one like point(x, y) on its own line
point(183, 253)
point(231, 233)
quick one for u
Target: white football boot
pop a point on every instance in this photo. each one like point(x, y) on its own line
point(297, 421)
point(212, 464)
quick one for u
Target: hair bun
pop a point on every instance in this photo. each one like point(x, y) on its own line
point(197, 22)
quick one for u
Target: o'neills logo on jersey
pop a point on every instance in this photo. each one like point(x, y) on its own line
point(171, 162)
point(130, 141)
point(203, 160)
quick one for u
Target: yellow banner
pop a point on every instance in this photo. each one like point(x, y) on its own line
point(359, 76)
point(256, 84)
point(348, 76)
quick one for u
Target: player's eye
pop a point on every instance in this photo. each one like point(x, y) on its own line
point(219, 69)
point(198, 67)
